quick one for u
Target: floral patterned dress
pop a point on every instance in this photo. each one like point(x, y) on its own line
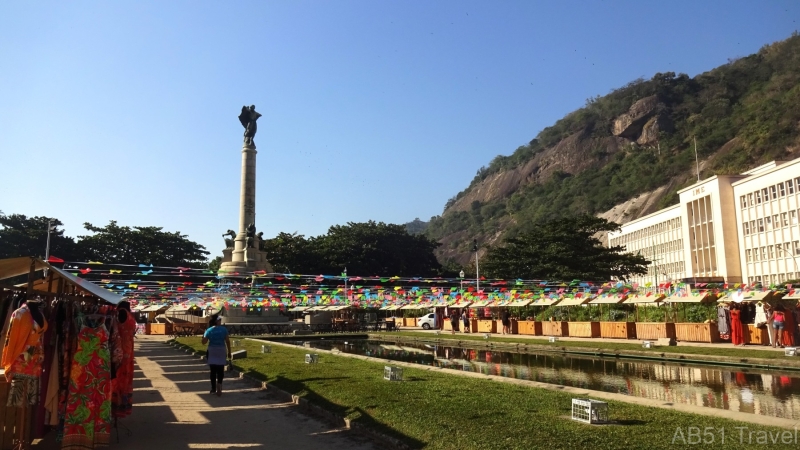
point(122, 385)
point(23, 357)
point(87, 422)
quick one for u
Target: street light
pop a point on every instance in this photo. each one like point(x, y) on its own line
point(50, 228)
point(461, 275)
point(477, 271)
point(344, 275)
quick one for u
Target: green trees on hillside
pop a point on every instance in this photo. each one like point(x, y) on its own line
point(564, 249)
point(742, 114)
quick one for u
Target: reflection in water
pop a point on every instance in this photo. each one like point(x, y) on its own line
point(761, 392)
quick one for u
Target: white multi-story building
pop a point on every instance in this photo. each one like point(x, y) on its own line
point(768, 206)
point(659, 238)
point(727, 228)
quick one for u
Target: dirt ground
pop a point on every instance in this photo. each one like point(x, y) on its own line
point(174, 410)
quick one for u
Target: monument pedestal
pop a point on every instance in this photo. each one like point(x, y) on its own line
point(252, 260)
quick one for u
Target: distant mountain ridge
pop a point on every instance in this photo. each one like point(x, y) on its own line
point(636, 143)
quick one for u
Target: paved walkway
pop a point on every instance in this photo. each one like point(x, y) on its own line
point(174, 410)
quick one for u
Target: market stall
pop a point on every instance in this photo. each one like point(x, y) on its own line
point(580, 328)
point(551, 327)
point(46, 321)
point(691, 331)
point(518, 324)
point(749, 303)
point(612, 328)
point(646, 329)
point(485, 322)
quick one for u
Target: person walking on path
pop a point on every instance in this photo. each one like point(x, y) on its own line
point(465, 320)
point(219, 351)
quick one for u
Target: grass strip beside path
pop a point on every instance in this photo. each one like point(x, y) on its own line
point(435, 410)
point(738, 353)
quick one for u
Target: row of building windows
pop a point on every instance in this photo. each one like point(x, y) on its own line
point(771, 193)
point(772, 251)
point(672, 224)
point(669, 268)
point(774, 222)
point(774, 278)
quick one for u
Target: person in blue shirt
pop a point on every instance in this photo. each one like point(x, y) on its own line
point(219, 351)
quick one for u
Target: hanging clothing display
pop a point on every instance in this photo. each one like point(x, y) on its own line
point(737, 337)
point(122, 384)
point(761, 316)
point(88, 411)
point(723, 321)
point(23, 355)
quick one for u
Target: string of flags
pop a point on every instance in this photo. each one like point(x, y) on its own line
point(147, 284)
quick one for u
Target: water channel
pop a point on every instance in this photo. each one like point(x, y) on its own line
point(769, 393)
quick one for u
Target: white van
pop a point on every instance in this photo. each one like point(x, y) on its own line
point(427, 322)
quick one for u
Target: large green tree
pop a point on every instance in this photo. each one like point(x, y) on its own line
point(27, 236)
point(369, 248)
point(563, 249)
point(293, 253)
point(142, 245)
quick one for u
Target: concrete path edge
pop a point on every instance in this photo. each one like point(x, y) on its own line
point(305, 406)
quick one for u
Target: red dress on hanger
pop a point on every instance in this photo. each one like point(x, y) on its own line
point(736, 328)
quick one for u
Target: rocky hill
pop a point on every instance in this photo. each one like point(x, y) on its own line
point(625, 154)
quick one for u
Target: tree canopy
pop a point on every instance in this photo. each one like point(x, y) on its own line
point(142, 245)
point(369, 248)
point(563, 249)
point(27, 236)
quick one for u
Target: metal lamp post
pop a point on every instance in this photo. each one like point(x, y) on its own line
point(344, 275)
point(461, 275)
point(50, 229)
point(477, 270)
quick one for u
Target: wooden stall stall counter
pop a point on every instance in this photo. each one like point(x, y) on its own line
point(487, 326)
point(447, 326)
point(529, 327)
point(498, 325)
point(161, 328)
point(697, 332)
point(584, 329)
point(618, 330)
point(756, 336)
point(655, 330)
point(560, 329)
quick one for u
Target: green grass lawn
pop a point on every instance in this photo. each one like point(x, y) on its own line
point(737, 353)
point(436, 410)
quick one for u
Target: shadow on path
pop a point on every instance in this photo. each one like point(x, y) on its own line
point(174, 410)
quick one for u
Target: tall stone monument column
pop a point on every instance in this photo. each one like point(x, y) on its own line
point(245, 253)
point(247, 201)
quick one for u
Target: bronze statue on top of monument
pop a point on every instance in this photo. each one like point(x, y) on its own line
point(248, 118)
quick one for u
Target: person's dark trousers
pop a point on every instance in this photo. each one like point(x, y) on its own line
point(217, 374)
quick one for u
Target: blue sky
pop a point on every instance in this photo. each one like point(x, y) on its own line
point(378, 110)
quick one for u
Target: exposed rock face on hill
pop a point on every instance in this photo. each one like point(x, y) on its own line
point(625, 154)
point(630, 124)
point(653, 127)
point(570, 156)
